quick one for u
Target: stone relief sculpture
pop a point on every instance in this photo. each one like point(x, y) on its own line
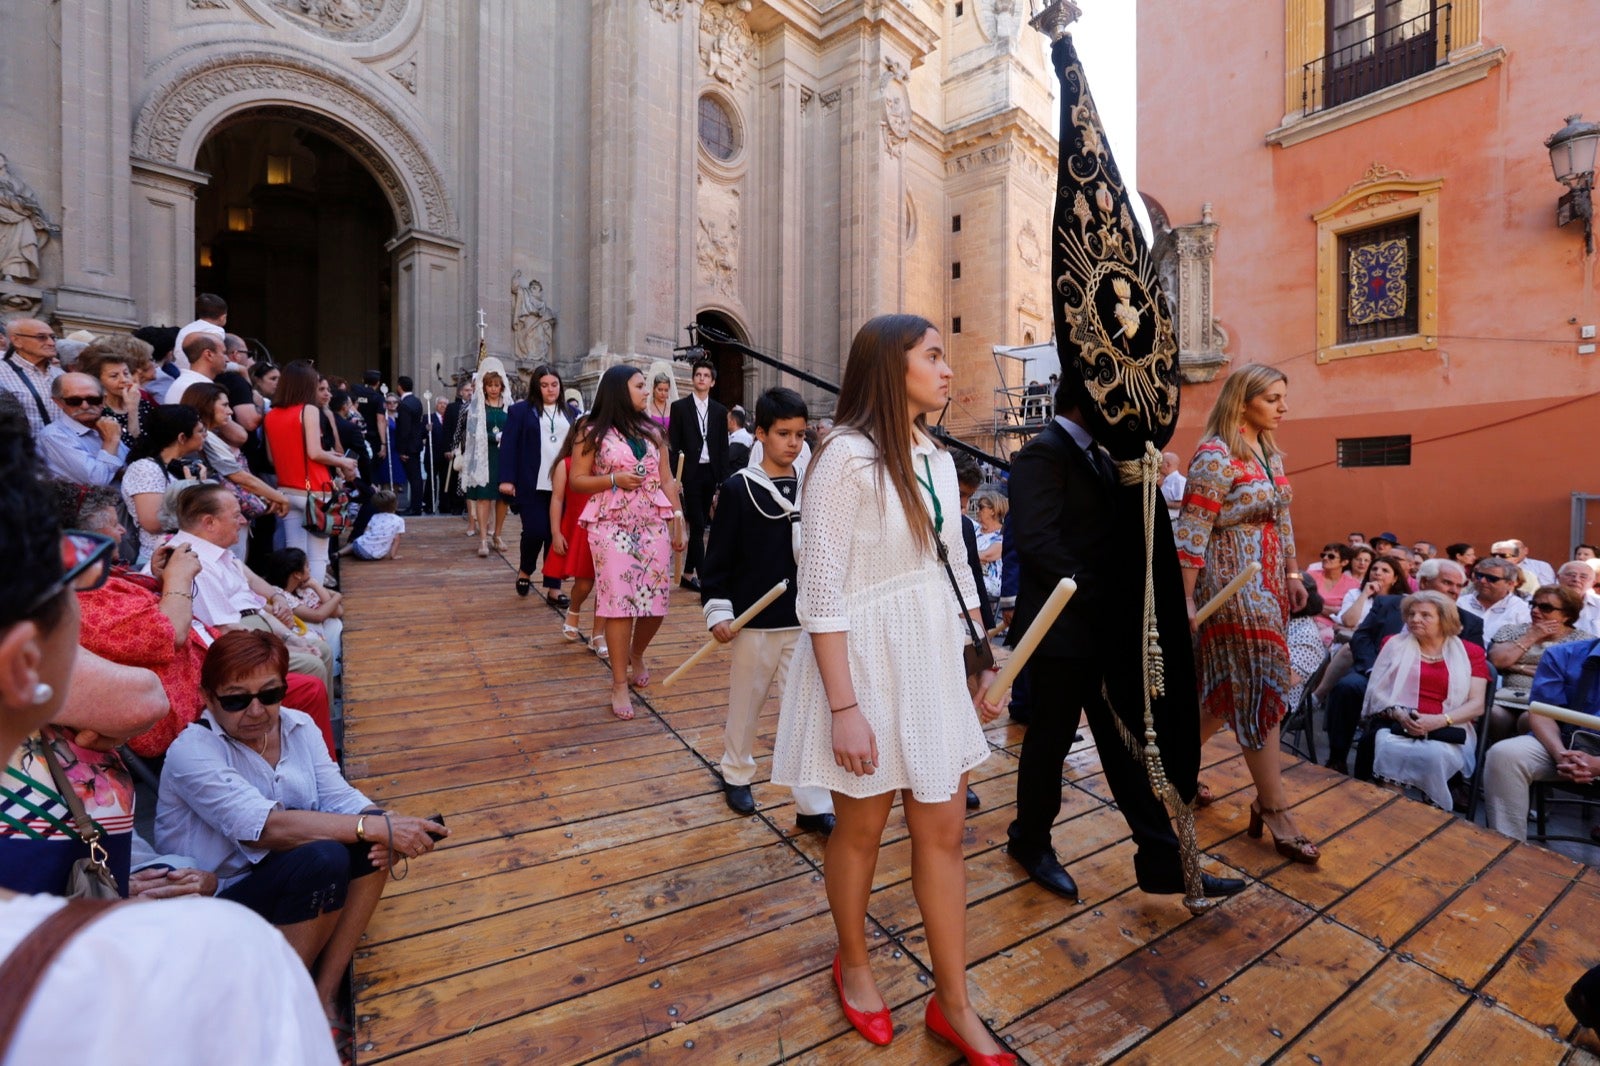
point(896, 121)
point(1184, 257)
point(1029, 247)
point(668, 9)
point(727, 47)
point(24, 227)
point(716, 247)
point(533, 322)
point(346, 19)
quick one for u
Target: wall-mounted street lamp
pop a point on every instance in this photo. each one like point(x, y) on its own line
point(1572, 152)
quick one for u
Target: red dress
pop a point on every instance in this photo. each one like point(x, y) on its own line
point(577, 562)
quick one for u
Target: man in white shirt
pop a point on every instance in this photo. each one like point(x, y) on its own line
point(1173, 484)
point(86, 446)
point(1492, 599)
point(206, 358)
point(211, 316)
point(737, 432)
point(1535, 571)
point(1579, 577)
point(228, 594)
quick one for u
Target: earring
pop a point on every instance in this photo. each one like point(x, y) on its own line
point(42, 694)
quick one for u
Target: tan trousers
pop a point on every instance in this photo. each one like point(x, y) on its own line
point(760, 656)
point(318, 664)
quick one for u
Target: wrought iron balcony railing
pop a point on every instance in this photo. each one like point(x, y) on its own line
point(1388, 57)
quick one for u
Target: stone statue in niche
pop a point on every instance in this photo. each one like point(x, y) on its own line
point(24, 227)
point(533, 322)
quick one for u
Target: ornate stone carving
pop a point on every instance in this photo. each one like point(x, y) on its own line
point(174, 107)
point(716, 241)
point(727, 48)
point(1029, 247)
point(533, 322)
point(347, 20)
point(671, 10)
point(195, 5)
point(1375, 173)
point(1183, 256)
point(24, 227)
point(406, 73)
point(1030, 305)
point(896, 120)
point(830, 99)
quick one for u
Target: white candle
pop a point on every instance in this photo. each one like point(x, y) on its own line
point(1561, 714)
point(1239, 581)
point(737, 624)
point(1030, 640)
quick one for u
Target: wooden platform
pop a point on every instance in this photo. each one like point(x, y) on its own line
point(598, 902)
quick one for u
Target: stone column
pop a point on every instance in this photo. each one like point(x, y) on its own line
point(96, 263)
point(162, 215)
point(427, 296)
point(1201, 340)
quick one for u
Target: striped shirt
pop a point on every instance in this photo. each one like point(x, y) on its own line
point(16, 377)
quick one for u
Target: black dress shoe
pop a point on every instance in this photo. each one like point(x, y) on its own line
point(1210, 887)
point(1045, 870)
point(814, 823)
point(690, 583)
point(739, 799)
point(973, 802)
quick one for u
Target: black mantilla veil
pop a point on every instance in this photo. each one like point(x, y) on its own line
point(1119, 363)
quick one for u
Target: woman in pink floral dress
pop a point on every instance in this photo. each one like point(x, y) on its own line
point(634, 521)
point(1236, 512)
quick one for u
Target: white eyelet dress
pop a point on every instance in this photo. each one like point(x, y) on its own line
point(861, 573)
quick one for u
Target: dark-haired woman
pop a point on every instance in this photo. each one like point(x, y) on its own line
point(1334, 579)
point(876, 705)
point(620, 460)
point(250, 793)
point(173, 436)
point(293, 431)
point(227, 462)
point(535, 429)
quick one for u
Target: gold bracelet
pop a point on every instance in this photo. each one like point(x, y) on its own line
point(361, 829)
point(185, 595)
point(1447, 720)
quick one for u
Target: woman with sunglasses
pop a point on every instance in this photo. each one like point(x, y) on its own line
point(1517, 648)
point(250, 793)
point(1334, 579)
point(217, 955)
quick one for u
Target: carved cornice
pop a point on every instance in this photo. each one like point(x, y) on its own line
point(258, 81)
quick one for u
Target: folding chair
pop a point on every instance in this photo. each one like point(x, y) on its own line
point(1303, 719)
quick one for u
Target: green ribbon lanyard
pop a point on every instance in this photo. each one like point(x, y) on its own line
point(938, 508)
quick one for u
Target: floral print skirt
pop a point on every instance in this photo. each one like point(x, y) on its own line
point(632, 565)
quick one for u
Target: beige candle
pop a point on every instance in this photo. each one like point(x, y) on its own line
point(1240, 580)
point(1561, 714)
point(679, 557)
point(737, 624)
point(1030, 640)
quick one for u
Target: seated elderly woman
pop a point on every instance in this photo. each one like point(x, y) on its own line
point(147, 621)
point(250, 792)
point(1518, 646)
point(1430, 684)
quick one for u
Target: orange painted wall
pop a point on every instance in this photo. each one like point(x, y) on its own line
point(1513, 288)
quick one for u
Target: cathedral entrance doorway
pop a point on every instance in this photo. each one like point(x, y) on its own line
point(730, 362)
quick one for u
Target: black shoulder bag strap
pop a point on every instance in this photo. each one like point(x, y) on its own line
point(44, 412)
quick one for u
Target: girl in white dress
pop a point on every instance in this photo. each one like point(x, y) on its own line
point(877, 700)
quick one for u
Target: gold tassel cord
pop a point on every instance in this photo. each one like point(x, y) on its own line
point(1146, 473)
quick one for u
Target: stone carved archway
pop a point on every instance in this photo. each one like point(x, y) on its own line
point(186, 108)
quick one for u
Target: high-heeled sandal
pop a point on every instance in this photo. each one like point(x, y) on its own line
point(1296, 848)
point(940, 1027)
point(499, 545)
point(483, 550)
point(569, 628)
point(1203, 796)
point(875, 1025)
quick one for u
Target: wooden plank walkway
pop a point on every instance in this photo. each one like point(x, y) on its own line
point(598, 902)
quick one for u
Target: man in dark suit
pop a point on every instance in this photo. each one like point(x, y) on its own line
point(438, 444)
point(1065, 523)
point(1382, 622)
point(698, 430)
point(369, 401)
point(452, 502)
point(410, 422)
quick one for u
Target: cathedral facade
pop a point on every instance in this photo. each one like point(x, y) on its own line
point(359, 177)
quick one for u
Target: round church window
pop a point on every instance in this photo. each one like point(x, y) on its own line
point(718, 134)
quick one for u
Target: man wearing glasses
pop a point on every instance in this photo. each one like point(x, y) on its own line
point(1493, 583)
point(86, 446)
point(28, 368)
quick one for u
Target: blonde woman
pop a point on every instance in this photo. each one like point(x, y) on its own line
point(1235, 512)
point(990, 510)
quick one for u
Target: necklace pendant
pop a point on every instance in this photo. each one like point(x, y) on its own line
point(639, 469)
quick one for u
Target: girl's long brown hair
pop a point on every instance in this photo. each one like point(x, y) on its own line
point(872, 401)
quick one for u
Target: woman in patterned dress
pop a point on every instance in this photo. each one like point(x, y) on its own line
point(618, 459)
point(1237, 512)
point(480, 474)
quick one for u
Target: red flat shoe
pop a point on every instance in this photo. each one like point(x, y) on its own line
point(941, 1028)
point(875, 1025)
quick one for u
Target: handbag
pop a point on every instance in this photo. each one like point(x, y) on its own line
point(327, 513)
point(250, 505)
point(90, 877)
point(1450, 734)
point(976, 655)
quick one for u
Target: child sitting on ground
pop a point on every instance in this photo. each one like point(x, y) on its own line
point(755, 539)
point(381, 538)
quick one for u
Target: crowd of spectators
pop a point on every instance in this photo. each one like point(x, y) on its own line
point(208, 660)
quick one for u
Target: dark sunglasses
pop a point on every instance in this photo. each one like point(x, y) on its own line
point(1491, 578)
point(241, 701)
point(1499, 555)
point(85, 566)
point(1545, 607)
point(1331, 555)
point(79, 401)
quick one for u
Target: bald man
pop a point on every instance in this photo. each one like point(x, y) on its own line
point(29, 368)
point(84, 447)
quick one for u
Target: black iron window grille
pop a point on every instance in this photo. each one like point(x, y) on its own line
point(1373, 44)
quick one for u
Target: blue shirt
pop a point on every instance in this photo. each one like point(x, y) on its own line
point(74, 452)
point(1569, 676)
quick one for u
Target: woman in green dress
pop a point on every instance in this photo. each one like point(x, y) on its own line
point(480, 472)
